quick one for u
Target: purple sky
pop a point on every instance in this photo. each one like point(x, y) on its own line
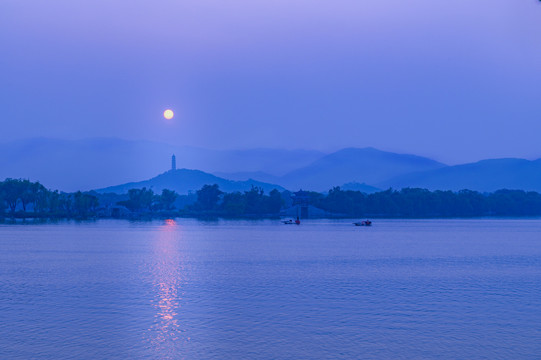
point(454, 80)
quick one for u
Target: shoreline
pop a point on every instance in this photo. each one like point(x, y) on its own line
point(147, 217)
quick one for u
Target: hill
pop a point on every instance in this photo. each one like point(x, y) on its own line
point(484, 176)
point(241, 176)
point(184, 181)
point(355, 186)
point(367, 165)
point(71, 165)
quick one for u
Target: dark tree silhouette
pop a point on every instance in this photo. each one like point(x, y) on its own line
point(207, 197)
point(167, 199)
point(84, 204)
point(139, 200)
point(18, 194)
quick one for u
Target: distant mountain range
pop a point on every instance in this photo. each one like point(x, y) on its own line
point(97, 163)
point(184, 181)
point(71, 165)
point(368, 165)
point(370, 170)
point(484, 176)
point(353, 168)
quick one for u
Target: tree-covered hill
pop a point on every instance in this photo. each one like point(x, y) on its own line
point(184, 181)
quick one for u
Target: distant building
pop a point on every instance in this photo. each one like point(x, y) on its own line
point(302, 206)
point(301, 200)
point(173, 163)
point(305, 212)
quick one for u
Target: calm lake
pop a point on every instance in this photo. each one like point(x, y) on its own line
point(189, 289)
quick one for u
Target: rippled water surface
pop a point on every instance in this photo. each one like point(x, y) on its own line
point(186, 289)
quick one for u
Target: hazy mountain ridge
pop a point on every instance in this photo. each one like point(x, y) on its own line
point(484, 176)
point(355, 186)
point(71, 165)
point(369, 170)
point(247, 175)
point(366, 165)
point(347, 166)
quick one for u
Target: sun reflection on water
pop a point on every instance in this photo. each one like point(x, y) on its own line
point(167, 270)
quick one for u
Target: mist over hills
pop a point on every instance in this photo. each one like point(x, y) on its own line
point(355, 186)
point(484, 176)
point(86, 164)
point(246, 175)
point(98, 163)
point(353, 168)
point(368, 165)
point(184, 181)
point(370, 170)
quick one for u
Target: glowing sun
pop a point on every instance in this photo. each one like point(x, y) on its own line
point(168, 114)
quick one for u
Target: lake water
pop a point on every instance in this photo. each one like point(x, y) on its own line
point(188, 289)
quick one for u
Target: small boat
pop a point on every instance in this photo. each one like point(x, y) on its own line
point(290, 221)
point(363, 223)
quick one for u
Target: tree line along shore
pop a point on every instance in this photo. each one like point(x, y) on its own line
point(21, 198)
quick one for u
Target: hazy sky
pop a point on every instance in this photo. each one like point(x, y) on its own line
point(454, 80)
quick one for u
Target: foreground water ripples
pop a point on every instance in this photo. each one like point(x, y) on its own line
point(233, 289)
